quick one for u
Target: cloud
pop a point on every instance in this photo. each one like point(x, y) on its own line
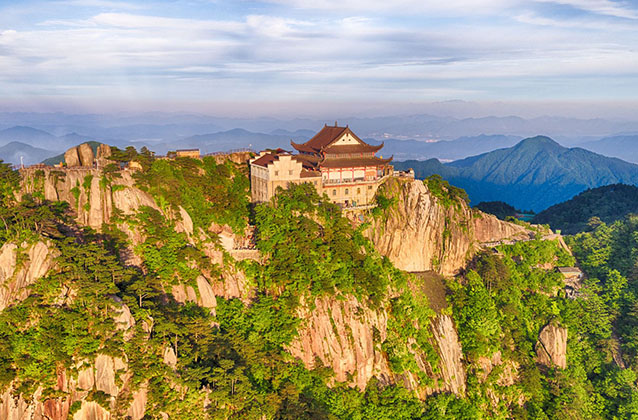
point(403, 7)
point(354, 53)
point(600, 7)
point(120, 5)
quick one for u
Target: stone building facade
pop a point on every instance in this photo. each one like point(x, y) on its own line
point(335, 161)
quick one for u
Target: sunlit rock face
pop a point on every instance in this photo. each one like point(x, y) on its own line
point(15, 278)
point(419, 233)
point(551, 348)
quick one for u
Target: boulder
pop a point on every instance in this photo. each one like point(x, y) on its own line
point(86, 154)
point(551, 348)
point(71, 157)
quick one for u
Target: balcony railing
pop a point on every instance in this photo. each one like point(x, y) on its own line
point(350, 180)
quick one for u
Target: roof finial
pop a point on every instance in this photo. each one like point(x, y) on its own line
point(335, 123)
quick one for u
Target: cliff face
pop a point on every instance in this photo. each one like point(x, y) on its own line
point(103, 375)
point(341, 335)
point(20, 267)
point(346, 336)
point(419, 233)
point(92, 199)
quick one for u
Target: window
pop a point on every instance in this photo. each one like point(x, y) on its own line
point(369, 187)
point(346, 191)
point(358, 190)
point(290, 172)
point(334, 192)
point(276, 173)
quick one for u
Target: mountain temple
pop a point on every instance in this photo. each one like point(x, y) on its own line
point(335, 161)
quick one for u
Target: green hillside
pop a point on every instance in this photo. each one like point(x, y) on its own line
point(499, 209)
point(233, 357)
point(608, 203)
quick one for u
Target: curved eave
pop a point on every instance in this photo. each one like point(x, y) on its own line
point(302, 147)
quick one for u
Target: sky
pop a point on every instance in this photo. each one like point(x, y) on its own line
point(312, 57)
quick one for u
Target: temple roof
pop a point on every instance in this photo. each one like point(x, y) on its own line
point(353, 148)
point(327, 136)
point(354, 162)
point(308, 161)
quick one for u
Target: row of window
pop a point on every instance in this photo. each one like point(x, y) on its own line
point(349, 155)
point(289, 172)
point(347, 191)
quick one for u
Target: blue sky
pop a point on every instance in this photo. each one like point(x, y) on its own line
point(300, 57)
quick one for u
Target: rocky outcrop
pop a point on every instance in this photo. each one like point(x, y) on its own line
point(450, 356)
point(123, 318)
point(85, 152)
point(105, 369)
point(419, 233)
point(71, 157)
point(346, 336)
point(16, 277)
point(83, 188)
point(90, 410)
point(83, 155)
point(103, 152)
point(204, 296)
point(103, 375)
point(340, 333)
point(551, 348)
point(488, 228)
point(138, 407)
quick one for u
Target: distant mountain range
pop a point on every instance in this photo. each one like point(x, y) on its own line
point(13, 151)
point(534, 174)
point(28, 135)
point(608, 203)
point(170, 127)
point(241, 138)
point(445, 150)
point(624, 147)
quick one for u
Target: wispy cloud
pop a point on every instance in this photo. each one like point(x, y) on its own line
point(345, 50)
point(619, 9)
point(120, 5)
